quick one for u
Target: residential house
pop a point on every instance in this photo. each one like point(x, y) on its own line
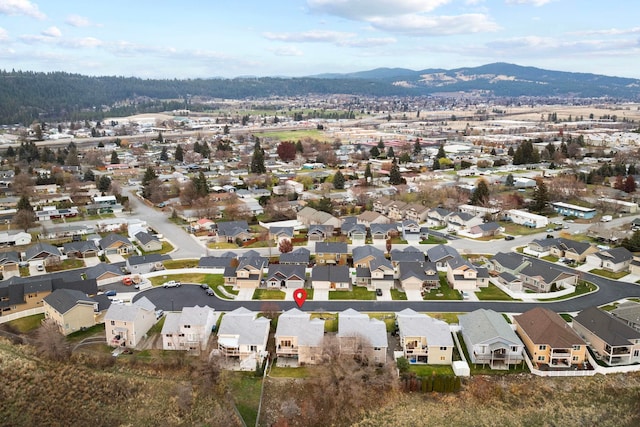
point(299, 256)
point(604, 233)
point(490, 340)
point(319, 233)
point(628, 312)
point(560, 248)
point(290, 276)
point(424, 340)
point(441, 255)
point(249, 272)
point(525, 218)
point(362, 336)
point(308, 216)
point(243, 336)
point(70, 310)
point(568, 209)
point(232, 231)
point(9, 264)
point(218, 262)
point(367, 218)
point(363, 255)
point(15, 238)
point(299, 337)
point(460, 221)
point(438, 217)
point(189, 329)
point(382, 205)
point(127, 325)
point(615, 260)
point(81, 249)
point(416, 212)
point(382, 274)
point(104, 273)
point(481, 211)
point(331, 253)
point(612, 340)
point(462, 275)
point(142, 264)
point(354, 231)
point(278, 234)
point(116, 244)
point(383, 232)
point(542, 277)
point(148, 242)
point(48, 254)
point(397, 210)
point(408, 254)
point(549, 339)
point(418, 275)
point(487, 229)
point(330, 277)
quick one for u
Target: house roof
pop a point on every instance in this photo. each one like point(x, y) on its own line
point(352, 323)
point(605, 326)
point(214, 262)
point(40, 247)
point(353, 228)
point(320, 229)
point(510, 260)
point(232, 228)
point(197, 315)
point(285, 271)
point(543, 326)
point(418, 270)
point(488, 226)
point(441, 252)
point(459, 262)
point(383, 228)
point(482, 326)
point(409, 254)
point(146, 259)
point(299, 256)
point(330, 273)
point(331, 248)
point(128, 313)
point(248, 328)
point(145, 238)
point(295, 323)
point(548, 273)
point(12, 257)
point(98, 270)
point(629, 312)
point(281, 231)
point(380, 262)
point(361, 252)
point(171, 323)
point(81, 246)
point(413, 324)
point(369, 216)
point(63, 300)
point(112, 238)
point(615, 255)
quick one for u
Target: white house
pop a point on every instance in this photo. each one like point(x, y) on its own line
point(127, 325)
point(243, 335)
point(189, 329)
point(357, 333)
point(527, 219)
point(299, 337)
point(424, 339)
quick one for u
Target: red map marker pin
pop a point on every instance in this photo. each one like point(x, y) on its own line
point(300, 296)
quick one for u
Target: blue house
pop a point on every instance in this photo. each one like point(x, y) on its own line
point(568, 209)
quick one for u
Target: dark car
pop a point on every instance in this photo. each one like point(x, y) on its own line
point(210, 292)
point(549, 236)
point(509, 237)
point(111, 293)
point(379, 292)
point(204, 286)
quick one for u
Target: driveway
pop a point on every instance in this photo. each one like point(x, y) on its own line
point(245, 294)
point(321, 295)
point(413, 295)
point(386, 295)
point(91, 261)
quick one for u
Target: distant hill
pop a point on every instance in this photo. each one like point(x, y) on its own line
point(27, 96)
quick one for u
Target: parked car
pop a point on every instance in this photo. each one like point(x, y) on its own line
point(205, 286)
point(171, 284)
point(509, 237)
point(23, 264)
point(111, 293)
point(210, 292)
point(379, 292)
point(40, 267)
point(159, 313)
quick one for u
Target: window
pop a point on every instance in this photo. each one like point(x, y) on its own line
point(376, 348)
point(443, 348)
point(543, 347)
point(113, 322)
point(514, 348)
point(181, 335)
point(169, 343)
point(169, 335)
point(187, 326)
point(441, 357)
point(576, 348)
point(574, 358)
point(540, 358)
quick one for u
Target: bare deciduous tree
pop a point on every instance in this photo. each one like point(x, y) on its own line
point(50, 343)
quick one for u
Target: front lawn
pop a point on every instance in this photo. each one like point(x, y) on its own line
point(67, 264)
point(389, 320)
point(172, 264)
point(166, 248)
point(330, 321)
point(357, 292)
point(550, 258)
point(444, 292)
point(492, 293)
point(433, 240)
point(398, 295)
point(609, 274)
point(447, 317)
point(184, 278)
point(582, 288)
point(262, 294)
point(429, 370)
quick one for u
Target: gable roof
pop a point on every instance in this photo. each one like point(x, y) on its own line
point(99, 269)
point(628, 311)
point(246, 326)
point(615, 255)
point(417, 270)
point(281, 231)
point(146, 259)
point(128, 313)
point(232, 228)
point(331, 248)
point(611, 330)
point(145, 238)
point(510, 260)
point(63, 300)
point(299, 256)
point(413, 324)
point(81, 246)
point(40, 247)
point(331, 273)
point(286, 271)
point(295, 323)
point(440, 252)
point(409, 254)
point(352, 323)
point(112, 238)
point(214, 262)
point(543, 326)
point(485, 325)
point(548, 272)
point(360, 252)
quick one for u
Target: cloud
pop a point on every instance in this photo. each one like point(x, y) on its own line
point(4, 35)
point(78, 21)
point(369, 42)
point(418, 25)
point(534, 45)
point(20, 7)
point(287, 51)
point(85, 42)
point(608, 32)
point(362, 10)
point(52, 32)
point(315, 36)
point(531, 2)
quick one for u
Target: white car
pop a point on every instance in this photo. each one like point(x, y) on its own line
point(171, 284)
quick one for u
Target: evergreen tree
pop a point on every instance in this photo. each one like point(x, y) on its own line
point(540, 196)
point(160, 138)
point(374, 152)
point(10, 152)
point(104, 183)
point(200, 185)
point(368, 176)
point(257, 160)
point(417, 148)
point(493, 151)
point(147, 179)
point(72, 155)
point(89, 175)
point(24, 204)
point(114, 158)
point(390, 153)
point(509, 181)
point(338, 181)
point(179, 154)
point(510, 151)
point(164, 155)
point(404, 158)
point(480, 196)
point(441, 153)
point(395, 177)
point(632, 243)
point(630, 171)
point(299, 147)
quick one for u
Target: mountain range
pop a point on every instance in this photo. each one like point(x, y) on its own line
point(26, 96)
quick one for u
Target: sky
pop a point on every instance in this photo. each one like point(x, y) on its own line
point(215, 38)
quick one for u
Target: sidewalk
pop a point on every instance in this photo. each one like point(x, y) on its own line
point(245, 294)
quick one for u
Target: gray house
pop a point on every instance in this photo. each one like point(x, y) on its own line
point(141, 264)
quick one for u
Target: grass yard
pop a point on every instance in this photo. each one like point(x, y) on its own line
point(429, 370)
point(330, 320)
point(263, 294)
point(27, 324)
point(222, 245)
point(357, 293)
point(398, 295)
point(278, 372)
point(492, 293)
point(245, 389)
point(581, 289)
point(157, 328)
point(609, 274)
point(184, 278)
point(444, 292)
point(295, 135)
point(389, 319)
point(309, 293)
point(67, 264)
point(166, 248)
point(517, 229)
point(433, 240)
point(447, 317)
point(550, 258)
point(80, 335)
point(486, 370)
point(171, 264)
point(567, 317)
